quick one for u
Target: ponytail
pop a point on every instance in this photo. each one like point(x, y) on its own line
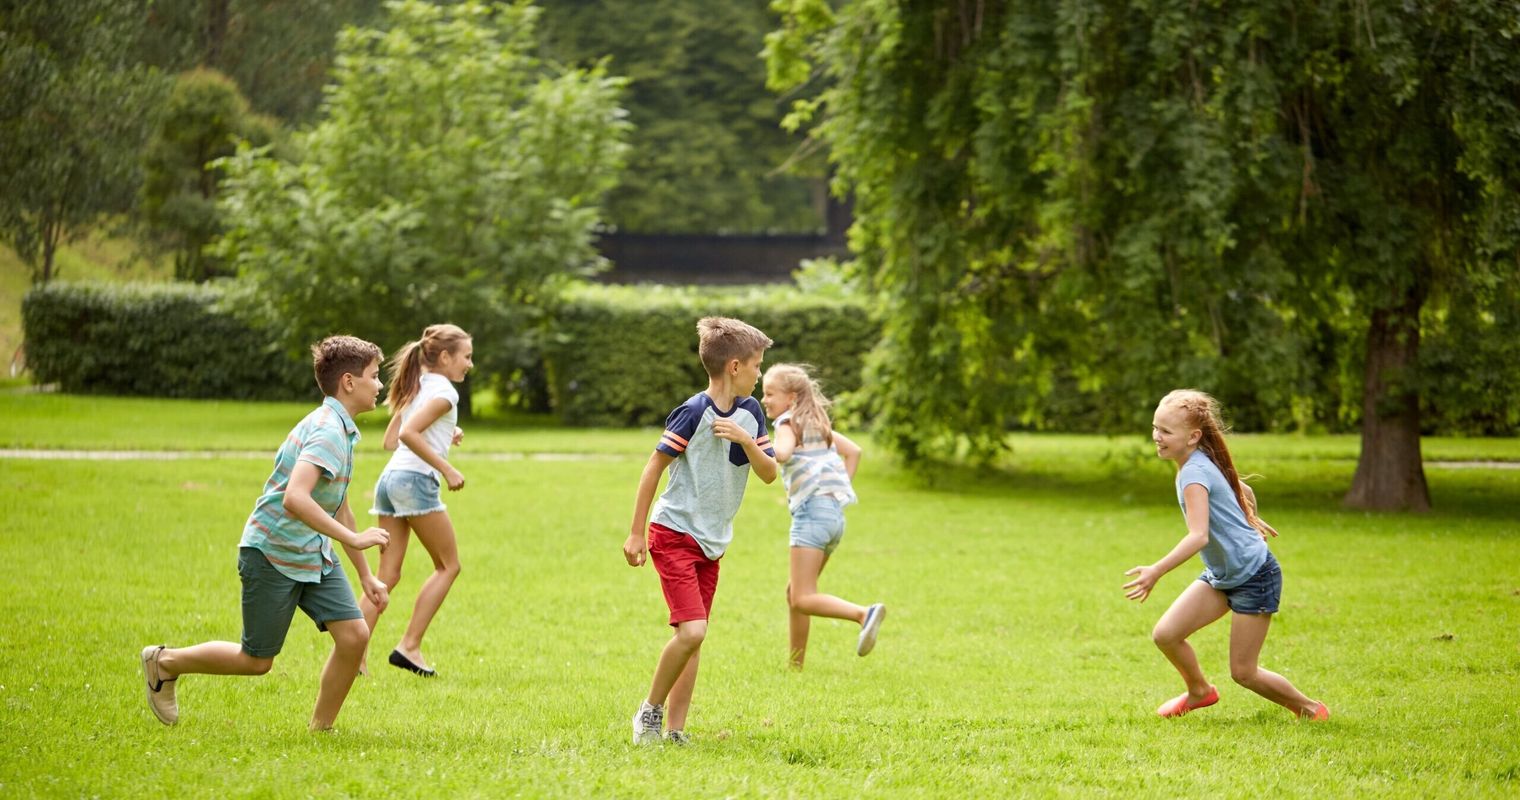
point(406, 366)
point(810, 409)
point(1202, 411)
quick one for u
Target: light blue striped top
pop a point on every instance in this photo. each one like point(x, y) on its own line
point(326, 438)
point(815, 468)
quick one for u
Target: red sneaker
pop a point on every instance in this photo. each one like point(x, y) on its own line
point(1321, 714)
point(1179, 705)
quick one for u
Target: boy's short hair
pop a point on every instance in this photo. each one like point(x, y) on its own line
point(336, 356)
point(723, 339)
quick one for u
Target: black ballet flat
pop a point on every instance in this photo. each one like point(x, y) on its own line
point(398, 660)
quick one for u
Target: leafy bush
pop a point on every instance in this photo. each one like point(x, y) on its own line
point(163, 340)
point(621, 355)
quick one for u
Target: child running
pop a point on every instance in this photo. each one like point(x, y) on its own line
point(1240, 574)
point(424, 409)
point(710, 444)
point(285, 556)
point(817, 465)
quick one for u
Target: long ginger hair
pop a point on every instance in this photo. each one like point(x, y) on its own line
point(406, 366)
point(1201, 411)
point(810, 409)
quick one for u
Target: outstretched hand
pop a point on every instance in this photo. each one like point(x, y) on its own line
point(1140, 588)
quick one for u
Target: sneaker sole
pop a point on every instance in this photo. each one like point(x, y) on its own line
point(868, 636)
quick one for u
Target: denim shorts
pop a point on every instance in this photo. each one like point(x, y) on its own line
point(402, 493)
point(818, 523)
point(270, 601)
point(1260, 594)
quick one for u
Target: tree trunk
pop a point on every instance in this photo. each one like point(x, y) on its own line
point(217, 15)
point(1390, 475)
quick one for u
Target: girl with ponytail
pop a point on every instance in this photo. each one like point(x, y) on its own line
point(817, 465)
point(1240, 574)
point(424, 409)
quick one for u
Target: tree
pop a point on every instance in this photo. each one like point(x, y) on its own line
point(74, 113)
point(202, 119)
point(706, 153)
point(1070, 207)
point(453, 178)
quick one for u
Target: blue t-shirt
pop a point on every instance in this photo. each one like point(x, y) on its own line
point(1235, 550)
point(708, 476)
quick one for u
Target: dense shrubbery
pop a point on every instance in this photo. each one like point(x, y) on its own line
point(163, 340)
point(624, 355)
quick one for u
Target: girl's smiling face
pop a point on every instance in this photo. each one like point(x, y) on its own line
point(1173, 436)
point(457, 364)
point(775, 401)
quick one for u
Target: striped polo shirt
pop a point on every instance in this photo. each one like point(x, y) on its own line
point(708, 476)
point(815, 468)
point(326, 438)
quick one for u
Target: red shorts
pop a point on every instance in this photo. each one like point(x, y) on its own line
point(688, 577)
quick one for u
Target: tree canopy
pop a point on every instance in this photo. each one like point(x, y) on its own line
point(1069, 207)
point(452, 178)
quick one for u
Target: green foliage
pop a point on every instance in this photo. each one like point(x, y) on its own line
point(74, 112)
point(453, 178)
point(627, 355)
point(1069, 207)
point(202, 120)
point(707, 152)
point(163, 340)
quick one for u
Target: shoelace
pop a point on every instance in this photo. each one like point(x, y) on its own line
point(652, 718)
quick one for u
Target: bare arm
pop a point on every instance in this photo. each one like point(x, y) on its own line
point(849, 452)
point(299, 502)
point(634, 549)
point(785, 442)
point(375, 589)
point(411, 436)
point(1196, 498)
point(393, 431)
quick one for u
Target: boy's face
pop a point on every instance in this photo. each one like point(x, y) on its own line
point(365, 388)
point(744, 373)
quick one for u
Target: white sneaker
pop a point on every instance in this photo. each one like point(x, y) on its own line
point(678, 738)
point(160, 689)
point(647, 723)
point(868, 629)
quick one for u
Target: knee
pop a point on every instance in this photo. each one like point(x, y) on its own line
point(351, 638)
point(794, 599)
point(1243, 674)
point(691, 634)
point(1164, 637)
point(450, 570)
point(260, 666)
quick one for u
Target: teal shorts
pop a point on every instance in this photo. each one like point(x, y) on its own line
point(270, 600)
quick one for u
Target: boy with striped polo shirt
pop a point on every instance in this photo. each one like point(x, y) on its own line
point(711, 442)
point(286, 556)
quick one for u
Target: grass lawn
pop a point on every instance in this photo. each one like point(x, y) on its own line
point(1009, 665)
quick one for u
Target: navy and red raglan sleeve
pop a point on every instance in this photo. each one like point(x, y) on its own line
point(680, 426)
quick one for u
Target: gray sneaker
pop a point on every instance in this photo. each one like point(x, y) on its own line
point(678, 738)
point(868, 629)
point(647, 723)
point(160, 689)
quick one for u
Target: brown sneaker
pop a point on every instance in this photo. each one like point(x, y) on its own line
point(160, 689)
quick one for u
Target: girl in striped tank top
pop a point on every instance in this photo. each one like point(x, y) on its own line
point(817, 465)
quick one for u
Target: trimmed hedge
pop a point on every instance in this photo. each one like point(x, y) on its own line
point(627, 355)
point(162, 340)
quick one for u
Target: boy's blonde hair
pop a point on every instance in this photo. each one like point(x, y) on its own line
point(336, 356)
point(810, 409)
point(722, 339)
point(407, 364)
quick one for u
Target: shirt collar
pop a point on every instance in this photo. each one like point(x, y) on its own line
point(349, 427)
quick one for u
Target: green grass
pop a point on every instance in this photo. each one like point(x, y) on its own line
point(1009, 665)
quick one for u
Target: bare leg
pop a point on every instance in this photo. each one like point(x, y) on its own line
point(211, 658)
point(681, 649)
point(679, 701)
point(1197, 606)
point(390, 574)
point(350, 638)
point(436, 532)
point(1247, 634)
point(805, 601)
point(799, 624)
